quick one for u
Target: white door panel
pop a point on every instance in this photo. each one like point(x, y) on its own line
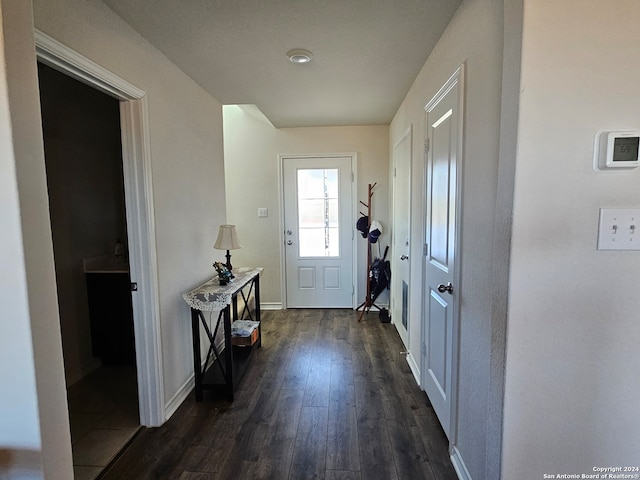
point(439, 332)
point(443, 120)
point(400, 262)
point(318, 232)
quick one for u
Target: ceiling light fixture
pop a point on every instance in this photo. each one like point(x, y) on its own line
point(299, 55)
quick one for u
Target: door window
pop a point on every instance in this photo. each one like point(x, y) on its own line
point(318, 216)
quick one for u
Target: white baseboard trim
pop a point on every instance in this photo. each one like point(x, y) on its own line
point(270, 306)
point(459, 466)
point(414, 367)
point(83, 371)
point(180, 396)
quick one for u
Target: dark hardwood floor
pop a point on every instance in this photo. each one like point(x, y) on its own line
point(325, 397)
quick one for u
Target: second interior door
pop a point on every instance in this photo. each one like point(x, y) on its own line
point(440, 316)
point(401, 235)
point(318, 229)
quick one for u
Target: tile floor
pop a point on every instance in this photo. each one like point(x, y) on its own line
point(103, 413)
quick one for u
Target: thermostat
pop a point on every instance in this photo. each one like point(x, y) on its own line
point(617, 150)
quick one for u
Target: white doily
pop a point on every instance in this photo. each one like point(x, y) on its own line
point(212, 296)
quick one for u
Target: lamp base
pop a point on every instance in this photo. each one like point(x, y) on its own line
point(229, 266)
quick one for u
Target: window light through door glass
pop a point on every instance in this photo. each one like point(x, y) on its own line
point(318, 222)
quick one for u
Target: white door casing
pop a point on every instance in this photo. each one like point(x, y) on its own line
point(139, 210)
point(400, 247)
point(318, 231)
point(440, 330)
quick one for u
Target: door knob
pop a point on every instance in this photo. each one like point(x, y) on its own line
point(446, 288)
point(289, 242)
point(404, 257)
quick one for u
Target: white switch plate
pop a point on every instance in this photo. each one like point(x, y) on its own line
point(263, 212)
point(619, 229)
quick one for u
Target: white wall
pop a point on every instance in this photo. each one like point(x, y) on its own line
point(252, 147)
point(572, 389)
point(19, 420)
point(474, 37)
point(187, 160)
point(34, 431)
point(185, 129)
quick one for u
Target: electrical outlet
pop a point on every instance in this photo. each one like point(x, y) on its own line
point(618, 229)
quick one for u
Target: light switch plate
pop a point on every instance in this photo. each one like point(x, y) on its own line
point(263, 212)
point(618, 229)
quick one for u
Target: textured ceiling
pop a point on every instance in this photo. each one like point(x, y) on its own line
point(367, 53)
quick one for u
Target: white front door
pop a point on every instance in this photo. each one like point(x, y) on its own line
point(318, 232)
point(400, 265)
point(439, 366)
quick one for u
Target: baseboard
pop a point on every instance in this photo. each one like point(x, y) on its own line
point(414, 367)
point(180, 396)
point(459, 466)
point(270, 305)
point(21, 463)
point(83, 371)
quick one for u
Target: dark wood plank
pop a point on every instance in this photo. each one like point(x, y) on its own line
point(299, 364)
point(145, 457)
point(341, 388)
point(342, 438)
point(410, 457)
point(310, 451)
point(243, 454)
point(396, 408)
point(211, 459)
point(274, 462)
point(436, 446)
point(376, 454)
point(319, 378)
point(363, 370)
point(195, 476)
point(369, 401)
point(342, 475)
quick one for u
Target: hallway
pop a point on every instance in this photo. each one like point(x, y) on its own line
point(326, 397)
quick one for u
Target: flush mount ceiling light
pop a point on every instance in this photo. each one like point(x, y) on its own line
point(299, 55)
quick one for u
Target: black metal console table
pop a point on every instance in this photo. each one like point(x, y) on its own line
point(212, 297)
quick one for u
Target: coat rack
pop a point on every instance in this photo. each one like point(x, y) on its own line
point(368, 302)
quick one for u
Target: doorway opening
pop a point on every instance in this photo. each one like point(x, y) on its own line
point(83, 158)
point(138, 189)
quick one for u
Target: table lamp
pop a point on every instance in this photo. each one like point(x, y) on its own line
point(227, 240)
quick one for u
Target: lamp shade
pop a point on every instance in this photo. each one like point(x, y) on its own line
point(227, 238)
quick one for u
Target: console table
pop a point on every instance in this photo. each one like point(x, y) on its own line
point(213, 297)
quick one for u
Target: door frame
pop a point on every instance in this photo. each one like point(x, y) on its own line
point(354, 207)
point(458, 77)
point(136, 160)
point(407, 136)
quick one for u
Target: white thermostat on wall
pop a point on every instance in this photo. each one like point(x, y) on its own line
point(616, 150)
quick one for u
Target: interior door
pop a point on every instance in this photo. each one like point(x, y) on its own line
point(401, 235)
point(318, 232)
point(439, 310)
